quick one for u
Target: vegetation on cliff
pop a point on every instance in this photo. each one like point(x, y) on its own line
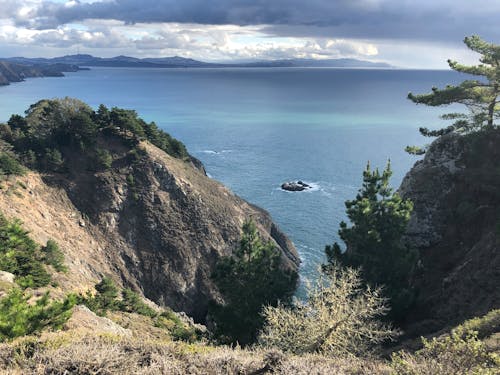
point(21, 256)
point(22, 312)
point(20, 315)
point(53, 129)
point(253, 277)
point(373, 242)
point(480, 96)
point(108, 298)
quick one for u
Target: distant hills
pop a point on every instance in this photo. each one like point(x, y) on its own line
point(181, 62)
point(16, 69)
point(16, 72)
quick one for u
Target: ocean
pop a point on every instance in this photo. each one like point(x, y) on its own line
point(256, 128)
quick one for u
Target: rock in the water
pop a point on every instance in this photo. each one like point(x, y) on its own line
point(295, 186)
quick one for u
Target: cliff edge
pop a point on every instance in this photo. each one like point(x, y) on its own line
point(455, 226)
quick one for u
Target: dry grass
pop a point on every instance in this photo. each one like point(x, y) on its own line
point(63, 353)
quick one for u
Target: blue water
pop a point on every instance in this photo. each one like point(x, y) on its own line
point(256, 128)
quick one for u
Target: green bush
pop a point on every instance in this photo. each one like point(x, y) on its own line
point(10, 165)
point(178, 330)
point(52, 160)
point(132, 302)
point(104, 158)
point(485, 325)
point(252, 278)
point(19, 316)
point(105, 298)
point(459, 353)
point(20, 255)
point(54, 256)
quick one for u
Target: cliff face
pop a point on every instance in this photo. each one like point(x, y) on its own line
point(157, 224)
point(456, 227)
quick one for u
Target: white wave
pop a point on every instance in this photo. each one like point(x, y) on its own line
point(213, 152)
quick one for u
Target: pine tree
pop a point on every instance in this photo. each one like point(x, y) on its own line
point(374, 241)
point(252, 278)
point(480, 95)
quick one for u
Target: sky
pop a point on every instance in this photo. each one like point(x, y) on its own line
point(404, 33)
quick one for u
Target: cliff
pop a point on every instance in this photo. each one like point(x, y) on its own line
point(455, 226)
point(153, 222)
point(13, 72)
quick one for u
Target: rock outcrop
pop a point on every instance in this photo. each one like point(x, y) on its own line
point(157, 224)
point(295, 186)
point(455, 226)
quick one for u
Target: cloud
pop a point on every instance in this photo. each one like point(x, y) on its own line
point(402, 32)
point(444, 20)
point(207, 42)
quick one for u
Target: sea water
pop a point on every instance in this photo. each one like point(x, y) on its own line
point(256, 128)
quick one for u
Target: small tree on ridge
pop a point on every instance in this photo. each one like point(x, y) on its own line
point(480, 96)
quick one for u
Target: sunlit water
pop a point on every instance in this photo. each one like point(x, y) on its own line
point(256, 128)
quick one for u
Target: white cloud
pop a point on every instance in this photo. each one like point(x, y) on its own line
point(208, 42)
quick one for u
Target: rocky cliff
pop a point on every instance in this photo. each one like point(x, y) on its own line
point(456, 227)
point(151, 221)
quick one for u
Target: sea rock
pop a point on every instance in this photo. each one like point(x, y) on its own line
point(295, 186)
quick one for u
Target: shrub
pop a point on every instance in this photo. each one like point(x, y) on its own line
point(54, 256)
point(132, 302)
point(104, 158)
point(52, 160)
point(341, 317)
point(9, 165)
point(20, 255)
point(178, 329)
point(19, 316)
point(459, 353)
point(249, 280)
point(105, 298)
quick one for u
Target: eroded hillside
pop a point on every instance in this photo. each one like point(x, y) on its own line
point(125, 208)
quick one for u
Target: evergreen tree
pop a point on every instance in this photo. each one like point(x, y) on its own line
point(374, 241)
point(480, 95)
point(54, 256)
point(20, 316)
point(252, 278)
